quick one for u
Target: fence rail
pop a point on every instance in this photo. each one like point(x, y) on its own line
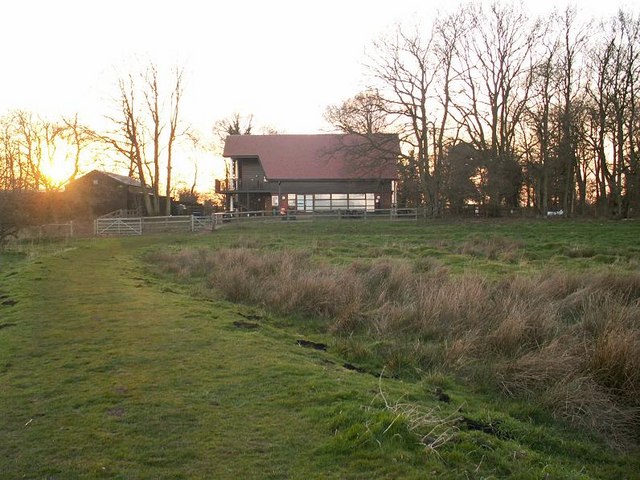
point(182, 223)
point(396, 214)
point(49, 230)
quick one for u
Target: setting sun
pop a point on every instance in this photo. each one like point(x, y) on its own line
point(58, 164)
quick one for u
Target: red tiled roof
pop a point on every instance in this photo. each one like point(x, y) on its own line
point(319, 157)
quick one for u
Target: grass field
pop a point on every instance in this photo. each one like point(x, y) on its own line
point(148, 358)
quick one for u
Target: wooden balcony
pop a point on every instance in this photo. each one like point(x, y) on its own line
point(241, 186)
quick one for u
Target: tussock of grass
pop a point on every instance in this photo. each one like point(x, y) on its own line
point(569, 342)
point(581, 251)
point(492, 248)
point(429, 427)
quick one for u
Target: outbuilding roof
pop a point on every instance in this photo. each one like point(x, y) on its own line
point(319, 157)
point(121, 178)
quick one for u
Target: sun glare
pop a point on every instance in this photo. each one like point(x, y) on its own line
point(58, 165)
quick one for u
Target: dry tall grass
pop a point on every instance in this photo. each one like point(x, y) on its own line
point(570, 342)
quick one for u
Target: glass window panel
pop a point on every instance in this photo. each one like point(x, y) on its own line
point(323, 196)
point(339, 204)
point(339, 196)
point(356, 196)
point(292, 199)
point(356, 203)
point(322, 204)
point(371, 202)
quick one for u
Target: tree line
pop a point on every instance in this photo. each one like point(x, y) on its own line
point(499, 109)
point(29, 144)
point(493, 107)
point(143, 130)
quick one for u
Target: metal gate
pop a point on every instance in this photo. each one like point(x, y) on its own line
point(199, 223)
point(118, 226)
point(139, 225)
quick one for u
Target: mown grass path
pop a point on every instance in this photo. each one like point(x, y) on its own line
point(107, 375)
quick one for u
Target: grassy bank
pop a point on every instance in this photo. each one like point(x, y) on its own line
point(111, 371)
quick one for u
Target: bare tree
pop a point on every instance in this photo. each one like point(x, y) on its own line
point(236, 124)
point(495, 71)
point(365, 113)
point(415, 74)
point(627, 117)
point(152, 96)
point(176, 96)
point(29, 141)
point(128, 137)
point(404, 66)
point(11, 161)
point(543, 93)
point(553, 112)
point(79, 137)
point(196, 144)
point(614, 98)
point(449, 32)
point(29, 145)
point(139, 134)
point(572, 41)
point(368, 142)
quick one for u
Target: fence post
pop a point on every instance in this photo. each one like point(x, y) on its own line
point(193, 224)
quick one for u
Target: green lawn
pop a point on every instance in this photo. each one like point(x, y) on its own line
point(488, 247)
point(109, 370)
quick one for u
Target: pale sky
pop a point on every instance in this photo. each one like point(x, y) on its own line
point(282, 61)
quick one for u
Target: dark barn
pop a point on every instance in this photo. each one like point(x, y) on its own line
point(99, 193)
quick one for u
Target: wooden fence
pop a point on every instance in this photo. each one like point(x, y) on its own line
point(49, 231)
point(398, 214)
point(110, 225)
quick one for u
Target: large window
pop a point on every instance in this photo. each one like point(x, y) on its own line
point(332, 201)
